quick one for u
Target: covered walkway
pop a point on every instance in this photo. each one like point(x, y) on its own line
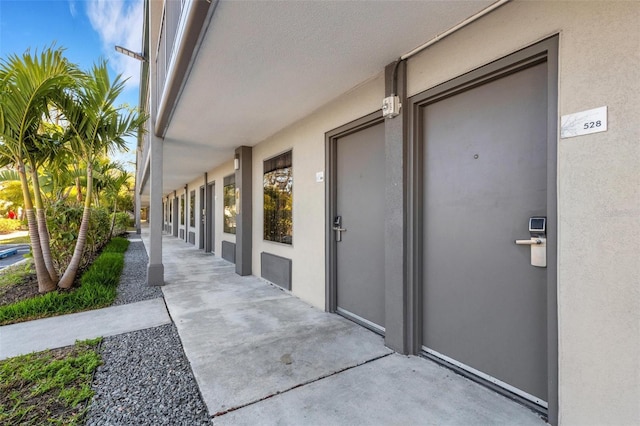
point(261, 355)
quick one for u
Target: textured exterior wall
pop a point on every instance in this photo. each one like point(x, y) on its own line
point(598, 188)
point(306, 139)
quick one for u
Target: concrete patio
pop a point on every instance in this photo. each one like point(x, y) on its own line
point(261, 355)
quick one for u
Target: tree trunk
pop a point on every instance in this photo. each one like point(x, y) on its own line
point(43, 229)
point(79, 189)
point(45, 284)
point(113, 218)
point(70, 273)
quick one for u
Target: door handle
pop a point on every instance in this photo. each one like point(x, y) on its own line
point(529, 242)
point(339, 232)
point(538, 250)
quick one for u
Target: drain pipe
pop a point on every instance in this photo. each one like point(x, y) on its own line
point(391, 105)
point(452, 30)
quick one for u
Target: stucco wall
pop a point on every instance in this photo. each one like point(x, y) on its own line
point(306, 139)
point(598, 188)
point(215, 175)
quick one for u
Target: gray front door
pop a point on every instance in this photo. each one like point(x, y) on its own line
point(360, 208)
point(484, 175)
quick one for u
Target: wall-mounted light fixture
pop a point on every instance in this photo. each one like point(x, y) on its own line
point(130, 53)
point(236, 163)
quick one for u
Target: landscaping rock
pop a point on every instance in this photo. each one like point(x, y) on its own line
point(133, 286)
point(145, 378)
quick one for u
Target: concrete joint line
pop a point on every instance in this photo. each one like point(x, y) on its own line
point(164, 299)
point(222, 413)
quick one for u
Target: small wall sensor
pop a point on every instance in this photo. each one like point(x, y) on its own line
point(391, 106)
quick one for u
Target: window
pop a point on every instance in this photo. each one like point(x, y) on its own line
point(171, 210)
point(192, 209)
point(278, 199)
point(230, 204)
point(182, 209)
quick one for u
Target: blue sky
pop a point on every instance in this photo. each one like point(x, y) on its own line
point(87, 29)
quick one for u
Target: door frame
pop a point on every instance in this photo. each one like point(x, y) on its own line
point(546, 50)
point(176, 212)
point(331, 191)
point(209, 237)
point(201, 217)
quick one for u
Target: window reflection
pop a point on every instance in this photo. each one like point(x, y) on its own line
point(229, 216)
point(278, 199)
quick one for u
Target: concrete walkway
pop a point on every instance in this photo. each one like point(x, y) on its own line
point(262, 356)
point(64, 330)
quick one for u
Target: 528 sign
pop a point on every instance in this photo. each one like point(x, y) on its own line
point(592, 124)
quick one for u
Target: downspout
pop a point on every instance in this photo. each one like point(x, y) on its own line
point(440, 36)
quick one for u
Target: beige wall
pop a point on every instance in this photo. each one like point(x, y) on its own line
point(598, 188)
point(217, 176)
point(306, 139)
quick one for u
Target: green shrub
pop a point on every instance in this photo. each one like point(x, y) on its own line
point(9, 225)
point(122, 223)
point(98, 288)
point(99, 227)
point(64, 224)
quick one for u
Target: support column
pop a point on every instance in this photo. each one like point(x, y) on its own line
point(397, 301)
point(137, 208)
point(155, 268)
point(176, 219)
point(187, 206)
point(244, 209)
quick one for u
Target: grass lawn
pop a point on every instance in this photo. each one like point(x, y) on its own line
point(50, 387)
point(98, 288)
point(16, 240)
point(16, 274)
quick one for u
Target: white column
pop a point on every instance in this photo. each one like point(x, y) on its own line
point(137, 208)
point(155, 269)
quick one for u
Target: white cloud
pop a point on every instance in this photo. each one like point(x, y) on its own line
point(119, 22)
point(72, 8)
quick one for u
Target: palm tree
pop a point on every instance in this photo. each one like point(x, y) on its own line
point(28, 84)
point(114, 183)
point(96, 127)
point(41, 149)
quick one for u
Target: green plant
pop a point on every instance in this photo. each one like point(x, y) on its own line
point(17, 240)
point(122, 222)
point(116, 245)
point(9, 225)
point(98, 288)
point(48, 387)
point(64, 223)
point(16, 273)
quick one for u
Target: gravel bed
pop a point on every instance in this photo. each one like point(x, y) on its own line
point(132, 287)
point(145, 378)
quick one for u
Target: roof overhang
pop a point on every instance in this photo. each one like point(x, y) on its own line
point(263, 65)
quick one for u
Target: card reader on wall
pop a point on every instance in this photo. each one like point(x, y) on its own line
point(538, 241)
